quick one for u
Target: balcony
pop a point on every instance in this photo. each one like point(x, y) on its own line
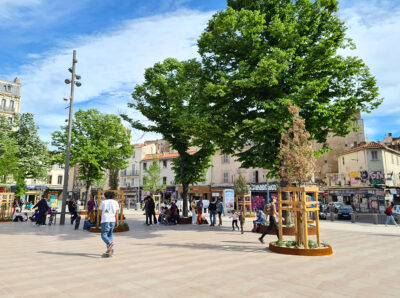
point(129, 173)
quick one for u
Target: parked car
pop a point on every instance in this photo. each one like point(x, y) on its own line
point(345, 211)
point(335, 206)
point(323, 210)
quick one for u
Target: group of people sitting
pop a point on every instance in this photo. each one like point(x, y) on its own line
point(169, 215)
point(19, 216)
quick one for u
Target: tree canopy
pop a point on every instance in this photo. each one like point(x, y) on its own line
point(99, 142)
point(260, 56)
point(151, 178)
point(169, 98)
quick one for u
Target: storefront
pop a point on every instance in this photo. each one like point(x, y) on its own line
point(198, 191)
point(263, 191)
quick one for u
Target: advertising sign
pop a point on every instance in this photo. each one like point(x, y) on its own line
point(229, 198)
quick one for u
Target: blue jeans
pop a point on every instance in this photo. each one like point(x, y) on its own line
point(212, 218)
point(390, 219)
point(107, 231)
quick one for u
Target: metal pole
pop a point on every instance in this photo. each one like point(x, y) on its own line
point(67, 155)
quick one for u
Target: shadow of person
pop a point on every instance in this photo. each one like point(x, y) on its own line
point(76, 254)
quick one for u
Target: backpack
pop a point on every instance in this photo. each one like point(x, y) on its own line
point(267, 209)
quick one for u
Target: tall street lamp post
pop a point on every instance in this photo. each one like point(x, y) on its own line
point(74, 82)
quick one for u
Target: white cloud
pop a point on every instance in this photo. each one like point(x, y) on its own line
point(110, 65)
point(375, 29)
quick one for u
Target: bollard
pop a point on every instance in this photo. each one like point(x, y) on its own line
point(375, 219)
point(332, 216)
point(353, 217)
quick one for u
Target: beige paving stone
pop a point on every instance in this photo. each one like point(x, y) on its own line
point(196, 261)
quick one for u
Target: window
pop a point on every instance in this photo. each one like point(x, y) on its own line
point(255, 176)
point(10, 119)
point(3, 104)
point(225, 158)
point(133, 169)
point(133, 156)
point(164, 180)
point(343, 160)
point(398, 160)
point(326, 161)
point(49, 179)
point(144, 180)
point(165, 164)
point(374, 155)
point(144, 166)
point(12, 106)
point(226, 177)
point(59, 179)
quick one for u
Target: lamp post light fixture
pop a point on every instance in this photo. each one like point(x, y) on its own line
point(74, 82)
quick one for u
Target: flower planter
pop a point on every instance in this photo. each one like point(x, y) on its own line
point(287, 231)
point(116, 230)
point(185, 221)
point(313, 252)
point(5, 220)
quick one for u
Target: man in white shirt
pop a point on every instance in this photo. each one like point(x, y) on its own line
point(109, 219)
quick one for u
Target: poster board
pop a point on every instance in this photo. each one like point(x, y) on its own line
point(229, 199)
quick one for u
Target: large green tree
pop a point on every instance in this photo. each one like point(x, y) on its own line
point(8, 151)
point(99, 142)
point(170, 98)
point(33, 156)
point(260, 56)
point(151, 178)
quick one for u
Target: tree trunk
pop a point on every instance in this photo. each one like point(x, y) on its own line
point(113, 179)
point(185, 187)
point(88, 191)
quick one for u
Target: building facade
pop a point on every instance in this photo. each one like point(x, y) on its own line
point(368, 176)
point(10, 98)
point(327, 163)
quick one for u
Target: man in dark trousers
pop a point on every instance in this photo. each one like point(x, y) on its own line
point(271, 211)
point(43, 208)
point(72, 210)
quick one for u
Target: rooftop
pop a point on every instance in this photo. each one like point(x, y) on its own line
point(370, 145)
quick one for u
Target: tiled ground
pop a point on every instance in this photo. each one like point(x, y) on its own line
point(180, 261)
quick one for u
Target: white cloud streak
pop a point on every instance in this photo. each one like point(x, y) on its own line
point(110, 65)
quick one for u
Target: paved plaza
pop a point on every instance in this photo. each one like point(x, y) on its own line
point(194, 261)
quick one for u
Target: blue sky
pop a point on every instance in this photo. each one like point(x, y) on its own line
point(117, 40)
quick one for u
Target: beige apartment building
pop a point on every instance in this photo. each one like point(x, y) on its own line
point(327, 163)
point(10, 98)
point(368, 175)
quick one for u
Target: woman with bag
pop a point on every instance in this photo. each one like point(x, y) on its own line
point(389, 215)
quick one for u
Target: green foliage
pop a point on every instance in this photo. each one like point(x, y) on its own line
point(99, 142)
point(240, 185)
point(170, 99)
point(259, 56)
point(279, 243)
point(123, 225)
point(312, 244)
point(22, 154)
point(152, 178)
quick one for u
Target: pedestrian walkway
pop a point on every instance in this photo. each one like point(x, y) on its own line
point(195, 261)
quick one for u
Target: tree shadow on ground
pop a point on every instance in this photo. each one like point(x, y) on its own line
point(205, 246)
point(77, 254)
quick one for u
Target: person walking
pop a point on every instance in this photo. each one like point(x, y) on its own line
point(270, 209)
point(242, 218)
point(72, 210)
point(108, 211)
point(389, 215)
point(43, 208)
point(199, 211)
point(152, 212)
point(220, 210)
point(212, 208)
point(234, 217)
point(146, 209)
point(193, 206)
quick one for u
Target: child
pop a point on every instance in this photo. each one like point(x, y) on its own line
point(234, 220)
point(242, 219)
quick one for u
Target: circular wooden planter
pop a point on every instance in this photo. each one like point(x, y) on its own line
point(83, 212)
point(312, 252)
point(5, 220)
point(116, 230)
point(287, 231)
